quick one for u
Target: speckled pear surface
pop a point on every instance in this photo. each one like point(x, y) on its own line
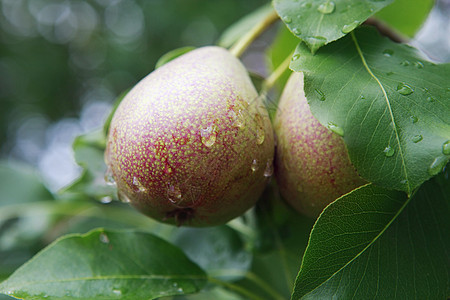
point(312, 166)
point(191, 144)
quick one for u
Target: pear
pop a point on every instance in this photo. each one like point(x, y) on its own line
point(192, 144)
point(312, 167)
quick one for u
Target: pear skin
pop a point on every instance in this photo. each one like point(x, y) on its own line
point(312, 167)
point(191, 143)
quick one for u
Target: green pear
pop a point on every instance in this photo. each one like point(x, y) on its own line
point(312, 167)
point(192, 144)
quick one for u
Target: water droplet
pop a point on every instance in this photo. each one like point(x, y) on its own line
point(254, 165)
point(388, 52)
point(316, 41)
point(404, 89)
point(336, 129)
point(326, 8)
point(388, 151)
point(174, 193)
point(117, 292)
point(414, 119)
point(321, 95)
point(287, 19)
point(405, 63)
point(103, 238)
point(431, 99)
point(350, 27)
point(209, 135)
point(109, 178)
point(268, 171)
point(417, 138)
point(106, 200)
point(404, 181)
point(418, 65)
point(260, 132)
point(362, 97)
point(437, 165)
point(123, 198)
point(296, 31)
point(295, 57)
point(236, 114)
point(138, 186)
point(179, 290)
point(390, 73)
point(446, 148)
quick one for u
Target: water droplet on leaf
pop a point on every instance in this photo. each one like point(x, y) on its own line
point(418, 65)
point(106, 200)
point(295, 57)
point(389, 151)
point(405, 63)
point(123, 198)
point(437, 165)
point(446, 148)
point(388, 52)
point(287, 19)
point(431, 99)
point(117, 292)
point(326, 8)
point(103, 238)
point(336, 129)
point(350, 27)
point(414, 119)
point(321, 95)
point(296, 31)
point(404, 89)
point(417, 138)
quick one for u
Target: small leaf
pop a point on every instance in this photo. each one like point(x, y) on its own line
point(383, 95)
point(373, 243)
point(105, 264)
point(318, 23)
point(172, 55)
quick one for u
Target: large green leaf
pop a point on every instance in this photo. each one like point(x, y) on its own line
point(406, 16)
point(374, 243)
point(318, 23)
point(391, 106)
point(106, 265)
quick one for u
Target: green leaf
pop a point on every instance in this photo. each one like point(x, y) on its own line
point(373, 243)
point(218, 250)
point(172, 55)
point(89, 149)
point(241, 27)
point(283, 45)
point(20, 184)
point(106, 265)
point(406, 16)
point(318, 23)
point(392, 106)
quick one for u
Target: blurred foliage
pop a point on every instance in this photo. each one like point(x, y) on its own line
point(57, 55)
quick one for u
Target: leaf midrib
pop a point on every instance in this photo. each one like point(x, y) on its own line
point(397, 136)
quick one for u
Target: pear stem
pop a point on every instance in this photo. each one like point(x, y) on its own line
point(242, 44)
point(270, 81)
